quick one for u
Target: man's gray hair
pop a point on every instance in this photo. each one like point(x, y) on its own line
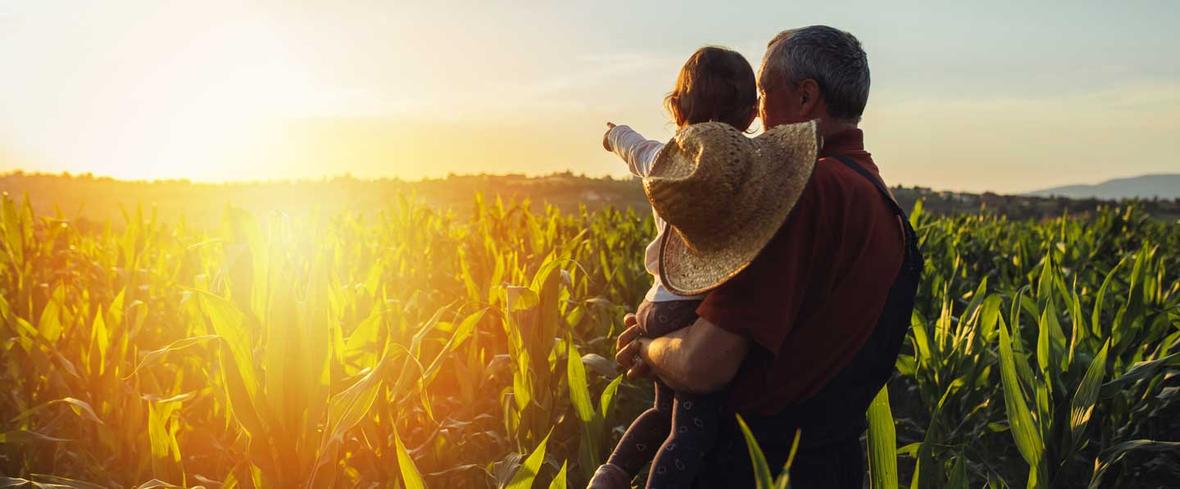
point(831, 57)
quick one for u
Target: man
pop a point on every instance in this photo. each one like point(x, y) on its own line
point(807, 334)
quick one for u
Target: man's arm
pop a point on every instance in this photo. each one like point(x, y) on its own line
point(700, 358)
point(758, 306)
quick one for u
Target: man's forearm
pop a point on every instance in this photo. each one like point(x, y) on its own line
point(666, 358)
point(700, 358)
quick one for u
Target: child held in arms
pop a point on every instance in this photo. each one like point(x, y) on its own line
point(714, 85)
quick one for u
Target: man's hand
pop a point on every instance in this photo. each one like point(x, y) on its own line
point(605, 139)
point(628, 345)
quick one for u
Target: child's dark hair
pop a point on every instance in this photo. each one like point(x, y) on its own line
point(715, 84)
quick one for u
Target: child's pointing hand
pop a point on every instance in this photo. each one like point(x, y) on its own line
point(605, 139)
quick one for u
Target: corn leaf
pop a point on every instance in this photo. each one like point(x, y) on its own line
point(527, 472)
point(1082, 405)
point(410, 475)
point(882, 443)
point(1025, 432)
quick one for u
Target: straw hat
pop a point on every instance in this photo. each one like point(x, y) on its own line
point(724, 196)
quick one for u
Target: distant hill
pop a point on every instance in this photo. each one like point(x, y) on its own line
point(1163, 186)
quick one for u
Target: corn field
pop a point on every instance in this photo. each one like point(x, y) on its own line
point(419, 348)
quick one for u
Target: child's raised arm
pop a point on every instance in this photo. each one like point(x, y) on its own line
point(633, 148)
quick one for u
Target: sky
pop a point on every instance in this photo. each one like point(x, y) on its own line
point(976, 96)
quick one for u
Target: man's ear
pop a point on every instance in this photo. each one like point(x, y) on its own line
point(809, 98)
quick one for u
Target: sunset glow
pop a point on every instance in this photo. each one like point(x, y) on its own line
point(218, 91)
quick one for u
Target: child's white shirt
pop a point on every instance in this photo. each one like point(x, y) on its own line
point(639, 153)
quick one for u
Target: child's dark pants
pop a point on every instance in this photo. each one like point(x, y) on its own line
point(680, 428)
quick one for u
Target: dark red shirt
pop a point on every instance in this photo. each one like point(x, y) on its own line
point(812, 297)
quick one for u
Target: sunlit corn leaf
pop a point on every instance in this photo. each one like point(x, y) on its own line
point(762, 476)
point(64, 482)
point(916, 213)
point(1043, 353)
point(530, 468)
point(1082, 405)
point(17, 482)
point(238, 374)
point(365, 335)
point(559, 480)
point(410, 475)
point(347, 408)
point(921, 341)
point(607, 400)
point(579, 394)
point(77, 406)
point(156, 484)
point(50, 326)
point(521, 298)
point(100, 340)
point(154, 356)
point(579, 390)
point(990, 315)
point(467, 327)
point(162, 437)
point(183, 396)
point(882, 441)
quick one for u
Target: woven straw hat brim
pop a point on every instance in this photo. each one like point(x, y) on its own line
point(784, 159)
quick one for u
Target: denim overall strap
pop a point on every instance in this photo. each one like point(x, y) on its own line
point(837, 411)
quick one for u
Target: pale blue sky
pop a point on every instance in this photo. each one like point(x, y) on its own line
point(1004, 96)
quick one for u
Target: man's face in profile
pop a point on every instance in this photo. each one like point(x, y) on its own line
point(777, 101)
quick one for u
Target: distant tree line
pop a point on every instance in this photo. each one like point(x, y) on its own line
point(106, 200)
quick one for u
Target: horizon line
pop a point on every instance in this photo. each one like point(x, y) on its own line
point(347, 176)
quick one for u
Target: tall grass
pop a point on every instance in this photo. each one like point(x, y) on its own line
point(437, 350)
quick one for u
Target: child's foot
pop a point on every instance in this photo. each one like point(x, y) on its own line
point(609, 476)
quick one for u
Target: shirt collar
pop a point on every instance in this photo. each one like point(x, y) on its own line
point(848, 141)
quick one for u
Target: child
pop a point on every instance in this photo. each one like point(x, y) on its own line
point(715, 84)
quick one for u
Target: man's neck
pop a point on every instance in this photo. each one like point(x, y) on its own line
point(828, 127)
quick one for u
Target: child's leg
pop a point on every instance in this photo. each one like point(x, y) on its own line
point(645, 434)
point(695, 421)
point(660, 318)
